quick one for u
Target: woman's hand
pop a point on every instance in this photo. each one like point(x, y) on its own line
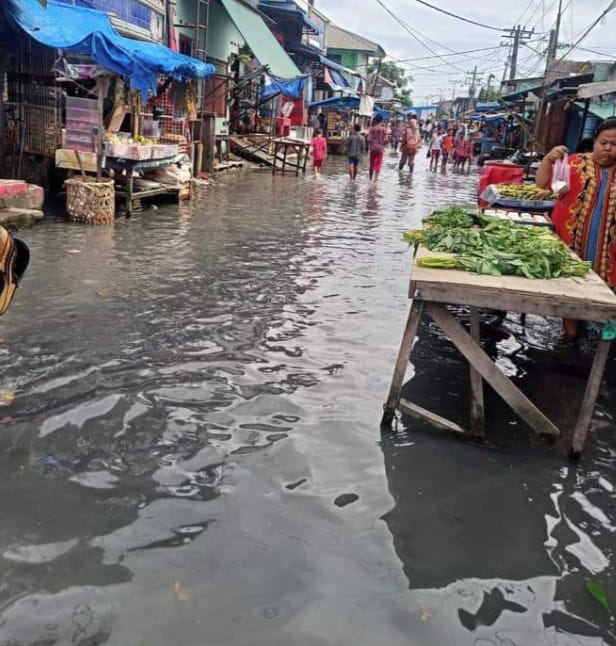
point(557, 153)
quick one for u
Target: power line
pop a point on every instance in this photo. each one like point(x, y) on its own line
point(468, 51)
point(519, 20)
point(453, 15)
point(411, 32)
point(604, 13)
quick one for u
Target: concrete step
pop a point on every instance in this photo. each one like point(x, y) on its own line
point(20, 217)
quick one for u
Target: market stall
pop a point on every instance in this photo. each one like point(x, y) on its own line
point(576, 293)
point(127, 104)
point(338, 115)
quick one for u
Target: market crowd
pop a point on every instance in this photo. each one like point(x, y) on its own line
point(446, 142)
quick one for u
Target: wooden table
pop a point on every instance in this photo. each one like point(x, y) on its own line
point(119, 164)
point(431, 290)
point(300, 151)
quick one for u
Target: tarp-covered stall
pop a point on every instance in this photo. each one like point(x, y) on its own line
point(79, 30)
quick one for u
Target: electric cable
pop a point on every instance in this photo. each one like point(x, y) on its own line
point(453, 15)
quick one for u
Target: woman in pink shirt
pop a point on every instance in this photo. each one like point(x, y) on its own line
point(319, 151)
point(377, 138)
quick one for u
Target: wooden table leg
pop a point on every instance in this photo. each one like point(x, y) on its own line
point(477, 399)
point(129, 192)
point(590, 398)
point(404, 354)
point(475, 355)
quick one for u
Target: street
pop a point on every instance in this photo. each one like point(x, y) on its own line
point(193, 453)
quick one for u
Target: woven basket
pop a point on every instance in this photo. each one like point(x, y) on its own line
point(90, 201)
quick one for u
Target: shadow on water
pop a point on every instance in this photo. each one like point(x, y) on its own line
point(515, 530)
point(192, 454)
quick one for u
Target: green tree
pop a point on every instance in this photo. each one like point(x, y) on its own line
point(397, 75)
point(488, 95)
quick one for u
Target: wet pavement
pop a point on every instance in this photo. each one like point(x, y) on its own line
point(193, 454)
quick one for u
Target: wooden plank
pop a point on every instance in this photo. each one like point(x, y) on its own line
point(432, 418)
point(587, 298)
point(489, 371)
point(477, 399)
point(67, 159)
point(590, 398)
point(404, 354)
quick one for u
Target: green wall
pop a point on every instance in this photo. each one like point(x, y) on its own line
point(223, 39)
point(354, 60)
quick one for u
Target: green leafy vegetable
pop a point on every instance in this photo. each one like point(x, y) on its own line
point(414, 237)
point(452, 216)
point(495, 247)
point(598, 592)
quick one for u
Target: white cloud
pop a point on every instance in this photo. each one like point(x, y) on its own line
point(371, 20)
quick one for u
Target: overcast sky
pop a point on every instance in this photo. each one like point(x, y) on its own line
point(444, 34)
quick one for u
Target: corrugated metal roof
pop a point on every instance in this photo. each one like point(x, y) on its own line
point(338, 38)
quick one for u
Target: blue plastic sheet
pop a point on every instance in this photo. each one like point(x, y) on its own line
point(288, 87)
point(86, 31)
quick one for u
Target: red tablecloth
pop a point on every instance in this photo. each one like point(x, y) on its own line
point(499, 174)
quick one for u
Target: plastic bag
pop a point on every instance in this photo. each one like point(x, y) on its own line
point(561, 173)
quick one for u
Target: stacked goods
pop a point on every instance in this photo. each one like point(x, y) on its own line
point(487, 245)
point(524, 192)
point(81, 123)
point(139, 148)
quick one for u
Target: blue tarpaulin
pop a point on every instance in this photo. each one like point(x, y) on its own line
point(490, 106)
point(385, 114)
point(86, 31)
point(275, 86)
point(291, 9)
point(337, 102)
point(339, 83)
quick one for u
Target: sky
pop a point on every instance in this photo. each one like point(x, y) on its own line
point(434, 77)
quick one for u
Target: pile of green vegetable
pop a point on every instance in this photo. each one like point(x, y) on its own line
point(493, 246)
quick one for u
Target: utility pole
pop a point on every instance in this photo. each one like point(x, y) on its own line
point(518, 35)
point(472, 82)
point(554, 35)
point(489, 87)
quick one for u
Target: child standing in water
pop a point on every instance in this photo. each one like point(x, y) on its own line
point(377, 140)
point(446, 148)
point(355, 148)
point(319, 150)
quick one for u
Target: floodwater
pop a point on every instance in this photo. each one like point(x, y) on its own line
point(193, 454)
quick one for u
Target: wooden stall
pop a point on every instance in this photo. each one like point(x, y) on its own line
point(432, 290)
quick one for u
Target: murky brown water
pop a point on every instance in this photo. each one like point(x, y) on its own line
point(193, 455)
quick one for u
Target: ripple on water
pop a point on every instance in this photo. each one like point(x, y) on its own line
point(194, 446)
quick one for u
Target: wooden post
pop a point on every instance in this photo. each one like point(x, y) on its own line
point(402, 361)
point(477, 399)
point(590, 398)
point(136, 103)
point(584, 119)
point(101, 128)
point(298, 149)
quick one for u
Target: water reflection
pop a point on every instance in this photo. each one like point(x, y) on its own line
point(192, 454)
point(513, 536)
